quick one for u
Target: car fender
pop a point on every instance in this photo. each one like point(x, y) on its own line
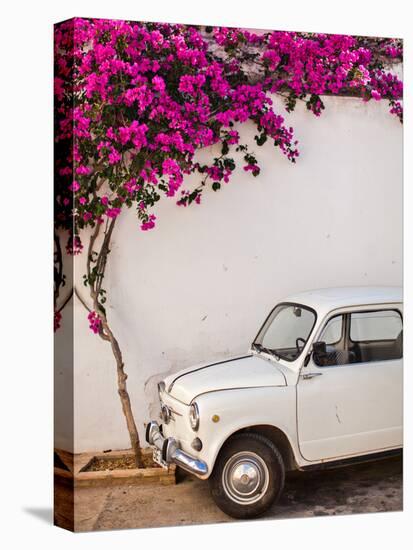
point(223, 413)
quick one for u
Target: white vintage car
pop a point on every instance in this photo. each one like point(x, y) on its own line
point(321, 387)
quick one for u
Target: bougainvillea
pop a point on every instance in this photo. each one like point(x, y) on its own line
point(134, 102)
point(140, 99)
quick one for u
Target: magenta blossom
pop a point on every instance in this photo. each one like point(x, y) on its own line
point(253, 168)
point(57, 320)
point(112, 212)
point(75, 186)
point(95, 324)
point(74, 245)
point(149, 224)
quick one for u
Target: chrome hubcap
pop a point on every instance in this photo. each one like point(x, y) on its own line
point(245, 477)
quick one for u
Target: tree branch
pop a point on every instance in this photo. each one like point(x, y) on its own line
point(66, 301)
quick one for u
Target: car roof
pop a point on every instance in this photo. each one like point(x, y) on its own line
point(337, 297)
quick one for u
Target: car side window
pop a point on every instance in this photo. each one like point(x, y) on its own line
point(333, 330)
point(334, 339)
point(360, 337)
point(376, 335)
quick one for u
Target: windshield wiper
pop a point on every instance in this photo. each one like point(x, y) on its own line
point(260, 347)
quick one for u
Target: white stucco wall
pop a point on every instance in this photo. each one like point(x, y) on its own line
point(198, 287)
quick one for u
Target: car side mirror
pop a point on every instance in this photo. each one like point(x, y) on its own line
point(319, 351)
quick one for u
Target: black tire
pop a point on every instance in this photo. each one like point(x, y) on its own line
point(247, 462)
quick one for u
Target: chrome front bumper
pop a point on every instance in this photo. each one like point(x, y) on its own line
point(171, 453)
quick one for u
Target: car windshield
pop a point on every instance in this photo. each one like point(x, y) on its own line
point(286, 331)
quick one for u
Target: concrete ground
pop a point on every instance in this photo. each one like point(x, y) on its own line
point(369, 487)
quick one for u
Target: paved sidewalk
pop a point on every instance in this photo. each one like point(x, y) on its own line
point(370, 487)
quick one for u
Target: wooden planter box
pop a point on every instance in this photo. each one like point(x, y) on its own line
point(72, 471)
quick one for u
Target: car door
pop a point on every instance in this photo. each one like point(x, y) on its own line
point(349, 399)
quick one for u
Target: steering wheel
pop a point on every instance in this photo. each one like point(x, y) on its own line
point(298, 345)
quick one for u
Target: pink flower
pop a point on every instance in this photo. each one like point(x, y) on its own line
point(191, 84)
point(103, 145)
point(158, 84)
point(114, 156)
point(124, 135)
point(149, 224)
point(272, 58)
point(112, 212)
point(392, 51)
point(111, 134)
point(170, 166)
point(81, 124)
point(66, 171)
point(95, 322)
point(74, 245)
point(83, 170)
point(75, 186)
point(234, 137)
point(253, 168)
point(57, 320)
point(141, 95)
point(131, 186)
point(138, 134)
point(59, 88)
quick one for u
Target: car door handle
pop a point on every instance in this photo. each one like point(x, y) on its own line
point(309, 375)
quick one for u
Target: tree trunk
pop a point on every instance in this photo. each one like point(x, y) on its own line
point(124, 395)
point(106, 334)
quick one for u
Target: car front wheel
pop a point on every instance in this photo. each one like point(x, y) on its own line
point(248, 476)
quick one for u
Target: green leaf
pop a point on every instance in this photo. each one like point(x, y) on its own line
point(261, 139)
point(229, 164)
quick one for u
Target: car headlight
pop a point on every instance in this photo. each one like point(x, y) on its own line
point(194, 416)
